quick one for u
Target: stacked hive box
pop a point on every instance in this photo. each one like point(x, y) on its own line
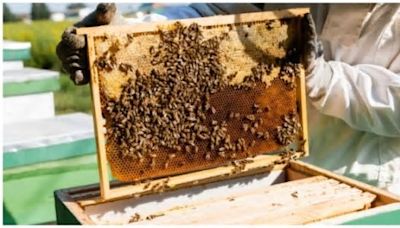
point(36, 142)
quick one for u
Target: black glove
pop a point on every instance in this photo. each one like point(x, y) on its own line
point(312, 45)
point(72, 48)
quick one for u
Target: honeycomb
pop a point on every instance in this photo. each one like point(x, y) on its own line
point(190, 97)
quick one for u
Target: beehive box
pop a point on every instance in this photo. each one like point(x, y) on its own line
point(180, 105)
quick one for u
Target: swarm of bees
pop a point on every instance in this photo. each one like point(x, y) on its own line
point(239, 165)
point(170, 109)
point(287, 132)
point(288, 74)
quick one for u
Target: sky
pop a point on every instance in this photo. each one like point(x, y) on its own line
point(25, 8)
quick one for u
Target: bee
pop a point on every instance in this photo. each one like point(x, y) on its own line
point(135, 218)
point(187, 149)
point(250, 117)
point(153, 155)
point(152, 163)
point(146, 186)
point(130, 37)
point(171, 156)
point(166, 164)
point(150, 217)
point(268, 25)
point(151, 50)
point(294, 194)
point(265, 135)
point(245, 127)
point(255, 125)
point(237, 115)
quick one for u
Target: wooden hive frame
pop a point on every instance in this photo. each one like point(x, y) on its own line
point(262, 163)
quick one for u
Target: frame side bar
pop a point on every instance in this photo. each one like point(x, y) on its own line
point(303, 112)
point(98, 121)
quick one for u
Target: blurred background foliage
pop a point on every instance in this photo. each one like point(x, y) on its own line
point(44, 36)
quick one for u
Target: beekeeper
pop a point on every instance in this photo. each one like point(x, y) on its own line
point(353, 82)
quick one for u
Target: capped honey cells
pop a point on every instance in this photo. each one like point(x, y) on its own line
point(187, 102)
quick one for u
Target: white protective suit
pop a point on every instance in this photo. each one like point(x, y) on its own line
point(354, 95)
point(353, 90)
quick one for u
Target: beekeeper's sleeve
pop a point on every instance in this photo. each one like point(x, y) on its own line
point(366, 97)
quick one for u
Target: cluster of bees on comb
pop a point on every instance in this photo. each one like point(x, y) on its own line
point(171, 110)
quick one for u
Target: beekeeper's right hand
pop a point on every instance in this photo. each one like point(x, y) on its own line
point(71, 50)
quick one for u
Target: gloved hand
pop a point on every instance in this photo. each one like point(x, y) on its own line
point(71, 50)
point(313, 47)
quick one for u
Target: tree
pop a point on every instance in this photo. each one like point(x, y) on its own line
point(39, 11)
point(8, 16)
point(74, 6)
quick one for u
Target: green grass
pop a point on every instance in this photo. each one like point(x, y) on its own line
point(72, 98)
point(44, 37)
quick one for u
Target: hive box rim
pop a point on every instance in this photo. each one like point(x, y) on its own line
point(386, 199)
